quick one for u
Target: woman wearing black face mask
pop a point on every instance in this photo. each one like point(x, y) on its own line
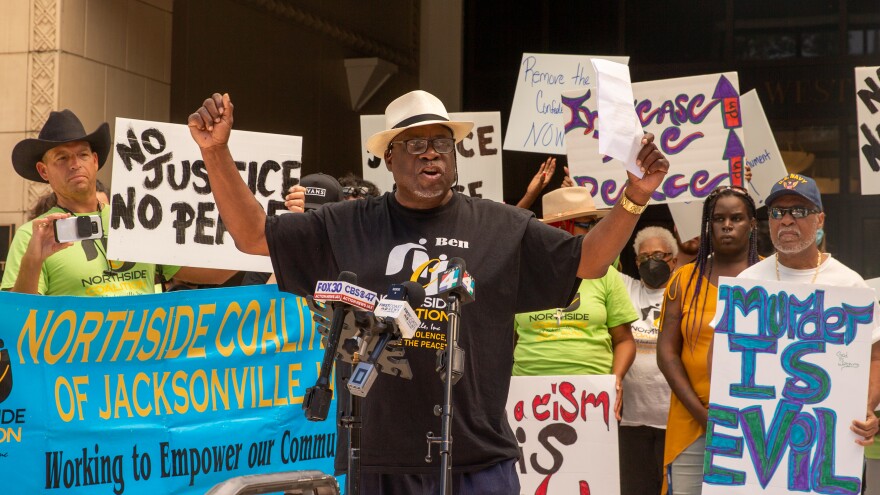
point(642, 430)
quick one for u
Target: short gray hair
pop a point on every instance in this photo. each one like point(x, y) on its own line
point(659, 233)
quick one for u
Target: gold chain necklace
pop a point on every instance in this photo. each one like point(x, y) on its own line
point(815, 275)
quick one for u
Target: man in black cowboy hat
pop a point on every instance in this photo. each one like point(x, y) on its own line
point(412, 233)
point(67, 158)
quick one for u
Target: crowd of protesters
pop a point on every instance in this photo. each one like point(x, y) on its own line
point(650, 329)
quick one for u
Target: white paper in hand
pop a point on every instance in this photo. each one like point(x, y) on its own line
point(620, 134)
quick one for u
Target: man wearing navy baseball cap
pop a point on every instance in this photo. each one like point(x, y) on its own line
point(794, 207)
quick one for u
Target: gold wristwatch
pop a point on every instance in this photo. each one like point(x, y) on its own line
point(629, 205)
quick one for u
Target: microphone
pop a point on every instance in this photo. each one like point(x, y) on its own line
point(393, 312)
point(397, 307)
point(345, 290)
point(340, 295)
point(457, 281)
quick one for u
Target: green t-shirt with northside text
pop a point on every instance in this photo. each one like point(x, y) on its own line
point(574, 340)
point(83, 268)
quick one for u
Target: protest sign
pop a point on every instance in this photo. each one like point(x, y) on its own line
point(158, 394)
point(762, 154)
point(567, 434)
point(477, 156)
point(688, 218)
point(163, 211)
point(696, 122)
point(536, 118)
point(868, 112)
point(789, 374)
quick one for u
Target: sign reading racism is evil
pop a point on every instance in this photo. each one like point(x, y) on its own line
point(696, 122)
point(567, 434)
point(163, 211)
point(789, 374)
point(156, 394)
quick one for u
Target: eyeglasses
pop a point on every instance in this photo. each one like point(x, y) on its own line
point(777, 213)
point(656, 256)
point(587, 225)
point(420, 145)
point(355, 192)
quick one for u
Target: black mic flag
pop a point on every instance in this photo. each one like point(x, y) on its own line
point(316, 402)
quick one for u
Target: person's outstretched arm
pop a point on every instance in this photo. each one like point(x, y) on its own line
point(242, 215)
point(538, 183)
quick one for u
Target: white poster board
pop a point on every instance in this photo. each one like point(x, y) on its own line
point(478, 156)
point(688, 218)
point(762, 154)
point(697, 124)
point(567, 434)
point(789, 374)
point(536, 119)
point(163, 211)
point(868, 112)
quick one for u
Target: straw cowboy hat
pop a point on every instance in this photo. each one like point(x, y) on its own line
point(569, 202)
point(414, 109)
point(61, 128)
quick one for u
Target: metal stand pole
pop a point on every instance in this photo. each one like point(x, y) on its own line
point(352, 423)
point(454, 366)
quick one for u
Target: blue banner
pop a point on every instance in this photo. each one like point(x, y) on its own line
point(159, 394)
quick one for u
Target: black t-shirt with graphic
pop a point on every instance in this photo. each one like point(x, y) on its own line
point(518, 265)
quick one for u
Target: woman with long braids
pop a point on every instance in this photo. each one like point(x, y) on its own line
point(728, 245)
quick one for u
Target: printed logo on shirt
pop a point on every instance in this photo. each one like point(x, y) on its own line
point(411, 261)
point(118, 279)
point(118, 283)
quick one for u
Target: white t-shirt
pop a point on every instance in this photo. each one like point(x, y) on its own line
point(645, 391)
point(831, 272)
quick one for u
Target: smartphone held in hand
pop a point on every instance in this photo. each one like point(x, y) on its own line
point(78, 228)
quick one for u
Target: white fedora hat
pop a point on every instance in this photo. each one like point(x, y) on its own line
point(414, 109)
point(569, 202)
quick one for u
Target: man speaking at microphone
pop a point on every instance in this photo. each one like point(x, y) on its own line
point(518, 265)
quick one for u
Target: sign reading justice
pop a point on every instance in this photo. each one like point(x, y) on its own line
point(163, 211)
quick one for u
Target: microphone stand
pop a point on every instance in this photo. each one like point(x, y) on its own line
point(451, 366)
point(352, 424)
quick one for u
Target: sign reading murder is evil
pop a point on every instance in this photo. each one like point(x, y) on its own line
point(790, 373)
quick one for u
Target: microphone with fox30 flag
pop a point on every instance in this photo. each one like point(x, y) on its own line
point(341, 295)
point(396, 313)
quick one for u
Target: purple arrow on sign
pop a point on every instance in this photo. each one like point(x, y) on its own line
point(734, 147)
point(724, 89)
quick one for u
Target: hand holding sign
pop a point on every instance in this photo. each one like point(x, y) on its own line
point(295, 201)
point(865, 429)
point(211, 124)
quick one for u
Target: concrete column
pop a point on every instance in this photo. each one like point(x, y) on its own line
point(100, 58)
point(440, 51)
